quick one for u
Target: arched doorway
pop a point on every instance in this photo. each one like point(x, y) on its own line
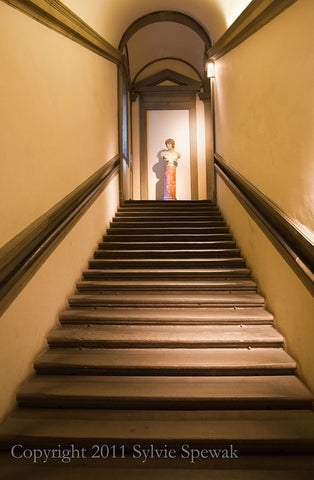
point(169, 76)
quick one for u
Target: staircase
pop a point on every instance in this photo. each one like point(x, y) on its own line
point(165, 342)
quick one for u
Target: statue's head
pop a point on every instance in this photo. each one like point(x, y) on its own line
point(170, 141)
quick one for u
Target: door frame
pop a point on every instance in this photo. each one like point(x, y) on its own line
point(179, 97)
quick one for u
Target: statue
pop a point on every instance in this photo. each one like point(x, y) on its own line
point(171, 157)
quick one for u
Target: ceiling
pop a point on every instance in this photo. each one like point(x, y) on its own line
point(165, 44)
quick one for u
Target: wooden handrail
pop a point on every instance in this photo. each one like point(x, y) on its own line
point(21, 257)
point(296, 247)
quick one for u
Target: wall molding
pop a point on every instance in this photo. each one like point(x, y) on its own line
point(22, 256)
point(54, 14)
point(161, 59)
point(257, 14)
point(291, 242)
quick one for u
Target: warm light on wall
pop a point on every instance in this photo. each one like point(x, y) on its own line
point(210, 69)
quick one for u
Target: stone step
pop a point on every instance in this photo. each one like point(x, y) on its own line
point(156, 216)
point(175, 336)
point(174, 245)
point(152, 299)
point(167, 202)
point(163, 206)
point(160, 263)
point(219, 393)
point(155, 205)
point(166, 361)
point(172, 254)
point(167, 316)
point(195, 218)
point(171, 223)
point(248, 431)
point(166, 273)
point(175, 286)
point(168, 230)
point(167, 237)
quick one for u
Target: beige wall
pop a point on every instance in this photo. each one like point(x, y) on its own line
point(265, 114)
point(264, 126)
point(286, 296)
point(58, 121)
point(25, 324)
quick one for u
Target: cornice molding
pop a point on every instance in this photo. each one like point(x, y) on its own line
point(161, 59)
point(255, 16)
point(54, 14)
point(167, 74)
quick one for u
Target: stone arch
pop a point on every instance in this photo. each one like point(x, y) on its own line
point(164, 16)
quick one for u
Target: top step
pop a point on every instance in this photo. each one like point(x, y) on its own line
point(168, 202)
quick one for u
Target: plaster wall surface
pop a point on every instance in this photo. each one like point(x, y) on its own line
point(59, 125)
point(59, 117)
point(286, 297)
point(265, 111)
point(25, 324)
point(264, 128)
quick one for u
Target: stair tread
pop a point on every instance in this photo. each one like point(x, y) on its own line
point(169, 272)
point(166, 217)
point(211, 335)
point(167, 284)
point(160, 263)
point(167, 359)
point(166, 230)
point(168, 245)
point(240, 426)
point(148, 254)
point(176, 315)
point(125, 222)
point(173, 252)
point(159, 388)
point(174, 237)
point(153, 298)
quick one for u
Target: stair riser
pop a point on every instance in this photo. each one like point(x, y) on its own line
point(168, 230)
point(128, 245)
point(164, 371)
point(164, 254)
point(179, 205)
point(167, 224)
point(147, 303)
point(165, 263)
point(94, 289)
point(124, 403)
point(152, 220)
point(166, 275)
point(77, 320)
point(178, 213)
point(78, 343)
point(179, 237)
point(146, 254)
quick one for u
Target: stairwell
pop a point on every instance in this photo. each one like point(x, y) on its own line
point(165, 342)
